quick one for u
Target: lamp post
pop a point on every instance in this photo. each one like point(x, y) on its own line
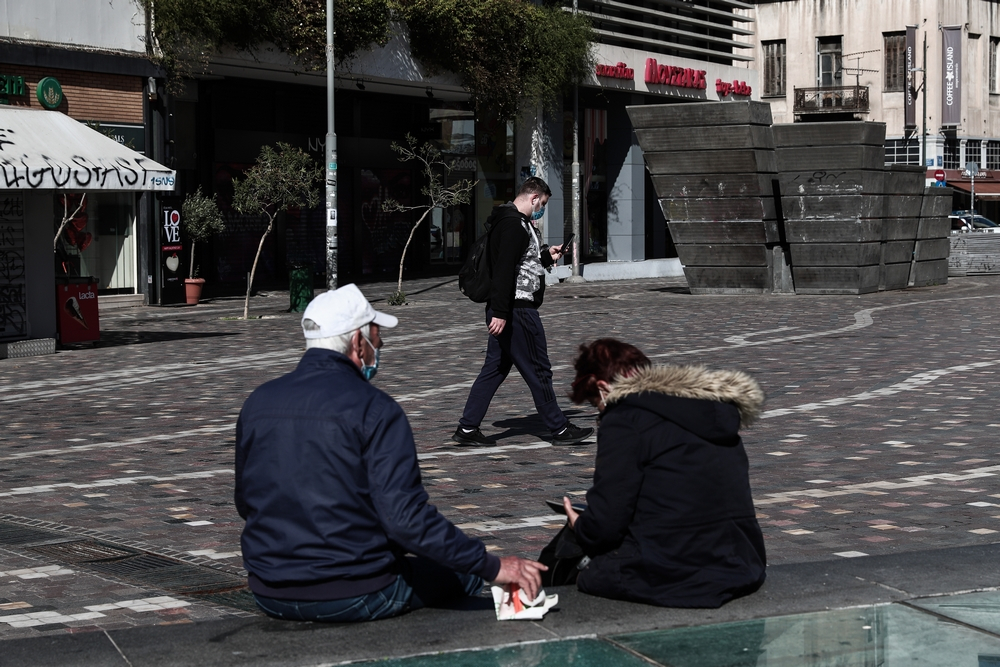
point(331, 159)
point(575, 180)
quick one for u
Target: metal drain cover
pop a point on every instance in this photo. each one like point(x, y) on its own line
point(169, 575)
point(83, 551)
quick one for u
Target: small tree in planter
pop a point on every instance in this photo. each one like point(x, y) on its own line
point(434, 167)
point(201, 218)
point(278, 180)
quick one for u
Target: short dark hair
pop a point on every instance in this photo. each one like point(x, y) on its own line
point(604, 359)
point(534, 186)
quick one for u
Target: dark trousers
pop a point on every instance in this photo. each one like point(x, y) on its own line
point(521, 344)
point(422, 583)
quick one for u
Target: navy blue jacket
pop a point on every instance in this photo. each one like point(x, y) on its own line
point(327, 480)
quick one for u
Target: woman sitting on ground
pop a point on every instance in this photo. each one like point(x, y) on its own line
point(669, 519)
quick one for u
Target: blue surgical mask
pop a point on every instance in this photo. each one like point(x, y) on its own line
point(369, 371)
point(537, 215)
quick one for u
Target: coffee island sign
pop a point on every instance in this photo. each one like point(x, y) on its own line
point(669, 75)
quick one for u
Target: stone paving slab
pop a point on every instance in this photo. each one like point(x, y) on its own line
point(879, 435)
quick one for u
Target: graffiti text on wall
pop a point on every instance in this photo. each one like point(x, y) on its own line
point(13, 300)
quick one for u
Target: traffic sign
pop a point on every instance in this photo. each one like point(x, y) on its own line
point(939, 175)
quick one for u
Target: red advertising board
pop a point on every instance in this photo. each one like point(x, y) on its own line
point(76, 305)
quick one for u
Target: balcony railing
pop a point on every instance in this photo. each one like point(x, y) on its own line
point(831, 99)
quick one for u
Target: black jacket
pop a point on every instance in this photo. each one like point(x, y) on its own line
point(670, 518)
point(507, 245)
point(327, 480)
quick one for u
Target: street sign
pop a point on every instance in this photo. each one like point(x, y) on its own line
point(939, 175)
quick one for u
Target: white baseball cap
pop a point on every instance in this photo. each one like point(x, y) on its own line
point(342, 311)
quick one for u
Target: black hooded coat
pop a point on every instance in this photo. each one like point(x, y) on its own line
point(670, 518)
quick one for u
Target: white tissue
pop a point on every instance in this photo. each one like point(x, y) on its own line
point(503, 601)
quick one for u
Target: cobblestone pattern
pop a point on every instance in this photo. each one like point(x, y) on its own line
point(879, 433)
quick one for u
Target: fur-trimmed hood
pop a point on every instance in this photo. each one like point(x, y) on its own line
point(694, 382)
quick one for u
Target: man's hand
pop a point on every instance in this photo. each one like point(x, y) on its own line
point(525, 573)
point(555, 251)
point(571, 514)
point(497, 325)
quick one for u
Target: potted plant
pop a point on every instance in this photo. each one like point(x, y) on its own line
point(201, 218)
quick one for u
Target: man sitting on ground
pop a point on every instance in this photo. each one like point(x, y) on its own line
point(328, 483)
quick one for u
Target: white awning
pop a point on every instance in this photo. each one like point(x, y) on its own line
point(48, 150)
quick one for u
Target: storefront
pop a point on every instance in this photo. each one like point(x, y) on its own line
point(68, 209)
point(621, 220)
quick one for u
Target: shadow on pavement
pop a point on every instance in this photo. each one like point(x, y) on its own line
point(533, 425)
point(119, 338)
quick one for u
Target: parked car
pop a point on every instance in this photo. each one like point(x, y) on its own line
point(963, 221)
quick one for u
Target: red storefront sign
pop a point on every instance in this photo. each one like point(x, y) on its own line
point(725, 88)
point(667, 75)
point(619, 71)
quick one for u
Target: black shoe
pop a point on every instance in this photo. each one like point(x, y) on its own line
point(471, 436)
point(570, 435)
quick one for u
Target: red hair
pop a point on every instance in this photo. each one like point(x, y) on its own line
point(604, 359)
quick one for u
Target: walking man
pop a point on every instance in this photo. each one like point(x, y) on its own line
point(517, 338)
point(328, 483)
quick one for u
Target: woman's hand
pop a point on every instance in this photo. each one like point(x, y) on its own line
point(571, 514)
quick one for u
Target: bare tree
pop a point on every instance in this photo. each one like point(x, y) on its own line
point(67, 216)
point(435, 169)
point(278, 180)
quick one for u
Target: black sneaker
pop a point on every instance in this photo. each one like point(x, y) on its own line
point(471, 436)
point(570, 435)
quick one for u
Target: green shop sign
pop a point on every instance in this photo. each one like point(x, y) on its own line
point(49, 93)
point(11, 84)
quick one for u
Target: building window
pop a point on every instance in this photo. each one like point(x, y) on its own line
point(902, 151)
point(952, 158)
point(994, 43)
point(829, 51)
point(973, 152)
point(774, 68)
point(993, 154)
point(895, 61)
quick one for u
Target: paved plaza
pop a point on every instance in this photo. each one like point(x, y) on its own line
point(879, 437)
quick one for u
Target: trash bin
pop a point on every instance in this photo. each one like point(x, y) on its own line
point(76, 310)
point(300, 287)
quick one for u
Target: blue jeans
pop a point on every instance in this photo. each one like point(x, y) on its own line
point(521, 344)
point(422, 583)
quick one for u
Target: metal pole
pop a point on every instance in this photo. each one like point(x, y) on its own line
point(331, 159)
point(923, 139)
point(577, 277)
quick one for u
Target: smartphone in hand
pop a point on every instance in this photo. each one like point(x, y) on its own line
point(557, 506)
point(567, 246)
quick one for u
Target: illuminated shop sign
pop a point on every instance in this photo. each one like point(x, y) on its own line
point(619, 71)
point(681, 77)
point(726, 88)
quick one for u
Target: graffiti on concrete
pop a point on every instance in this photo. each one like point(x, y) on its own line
point(13, 298)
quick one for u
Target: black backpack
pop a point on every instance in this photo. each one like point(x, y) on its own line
point(476, 276)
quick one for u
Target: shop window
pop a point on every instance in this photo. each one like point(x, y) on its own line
point(98, 240)
point(902, 151)
point(829, 52)
point(994, 84)
point(895, 61)
point(595, 185)
point(773, 83)
point(494, 170)
point(951, 155)
point(993, 154)
point(974, 152)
